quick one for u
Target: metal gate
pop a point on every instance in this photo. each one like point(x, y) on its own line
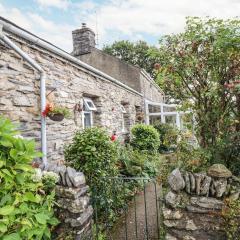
point(132, 213)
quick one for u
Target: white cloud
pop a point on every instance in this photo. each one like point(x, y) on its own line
point(56, 33)
point(156, 17)
point(16, 16)
point(61, 4)
point(133, 19)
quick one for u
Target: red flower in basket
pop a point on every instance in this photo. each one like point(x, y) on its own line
point(49, 107)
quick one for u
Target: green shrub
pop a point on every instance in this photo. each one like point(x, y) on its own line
point(145, 138)
point(26, 211)
point(227, 152)
point(168, 136)
point(95, 155)
point(134, 163)
point(230, 214)
point(167, 163)
point(191, 157)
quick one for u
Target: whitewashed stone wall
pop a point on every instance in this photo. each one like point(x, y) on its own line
point(20, 96)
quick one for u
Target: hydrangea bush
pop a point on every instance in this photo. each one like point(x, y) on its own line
point(26, 208)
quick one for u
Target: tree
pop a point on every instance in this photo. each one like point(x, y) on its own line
point(139, 54)
point(201, 69)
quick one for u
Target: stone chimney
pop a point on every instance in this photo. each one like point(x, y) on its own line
point(83, 40)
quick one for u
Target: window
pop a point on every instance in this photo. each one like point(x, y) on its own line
point(87, 114)
point(88, 119)
point(123, 110)
point(89, 105)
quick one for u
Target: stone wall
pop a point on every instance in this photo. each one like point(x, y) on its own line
point(20, 96)
point(150, 89)
point(193, 206)
point(130, 75)
point(115, 67)
point(73, 210)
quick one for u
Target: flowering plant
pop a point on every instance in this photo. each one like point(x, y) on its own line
point(51, 110)
point(49, 179)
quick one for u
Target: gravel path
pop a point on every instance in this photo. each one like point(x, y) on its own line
point(137, 229)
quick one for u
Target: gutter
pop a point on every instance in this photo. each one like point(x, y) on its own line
point(18, 50)
point(8, 27)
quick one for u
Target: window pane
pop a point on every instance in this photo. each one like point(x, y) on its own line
point(154, 108)
point(87, 120)
point(170, 120)
point(90, 104)
point(169, 109)
point(154, 119)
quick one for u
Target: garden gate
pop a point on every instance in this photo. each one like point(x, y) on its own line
point(135, 202)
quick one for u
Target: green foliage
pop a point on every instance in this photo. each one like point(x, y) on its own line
point(49, 180)
point(95, 155)
point(133, 163)
point(196, 67)
point(25, 213)
point(227, 152)
point(168, 136)
point(98, 234)
point(62, 110)
point(191, 158)
point(167, 164)
point(145, 138)
point(139, 54)
point(231, 215)
point(104, 163)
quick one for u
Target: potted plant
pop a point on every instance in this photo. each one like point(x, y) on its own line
point(56, 113)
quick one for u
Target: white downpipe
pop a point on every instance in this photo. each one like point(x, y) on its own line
point(43, 119)
point(6, 40)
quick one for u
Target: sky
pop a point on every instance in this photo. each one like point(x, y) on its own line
point(112, 20)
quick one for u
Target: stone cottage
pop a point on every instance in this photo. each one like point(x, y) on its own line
point(98, 89)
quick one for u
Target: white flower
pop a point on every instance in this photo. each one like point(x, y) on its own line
point(19, 136)
point(51, 176)
point(37, 176)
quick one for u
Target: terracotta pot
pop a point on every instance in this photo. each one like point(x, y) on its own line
point(57, 117)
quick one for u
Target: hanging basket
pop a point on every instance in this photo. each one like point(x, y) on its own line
point(140, 116)
point(57, 117)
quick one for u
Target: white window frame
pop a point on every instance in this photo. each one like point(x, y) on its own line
point(88, 110)
point(163, 114)
point(91, 118)
point(86, 102)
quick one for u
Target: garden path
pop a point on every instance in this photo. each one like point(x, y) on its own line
point(119, 230)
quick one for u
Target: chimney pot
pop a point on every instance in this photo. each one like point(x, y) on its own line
point(84, 25)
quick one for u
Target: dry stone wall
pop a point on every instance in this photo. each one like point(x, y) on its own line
point(20, 96)
point(193, 206)
point(73, 210)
